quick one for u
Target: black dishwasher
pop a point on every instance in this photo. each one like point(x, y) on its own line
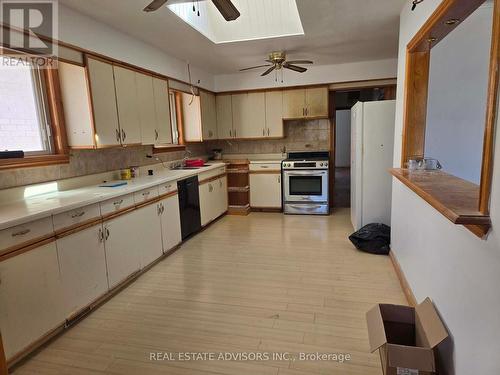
point(189, 206)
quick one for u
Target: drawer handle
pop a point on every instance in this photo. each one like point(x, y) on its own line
point(21, 232)
point(210, 188)
point(168, 186)
point(117, 203)
point(264, 166)
point(106, 236)
point(146, 193)
point(101, 235)
point(80, 214)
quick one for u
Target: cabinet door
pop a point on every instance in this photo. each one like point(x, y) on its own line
point(102, 85)
point(171, 223)
point(83, 267)
point(249, 115)
point(162, 107)
point(206, 203)
point(128, 108)
point(274, 114)
point(122, 248)
point(222, 198)
point(148, 233)
point(77, 110)
point(208, 115)
point(224, 116)
point(294, 104)
point(147, 110)
point(265, 190)
point(31, 297)
point(317, 102)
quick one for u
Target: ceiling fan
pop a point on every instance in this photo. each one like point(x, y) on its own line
point(277, 61)
point(225, 7)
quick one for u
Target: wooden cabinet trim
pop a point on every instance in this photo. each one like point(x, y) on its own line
point(25, 247)
point(211, 179)
point(78, 227)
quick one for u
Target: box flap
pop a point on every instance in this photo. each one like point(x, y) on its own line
point(412, 357)
point(433, 329)
point(376, 331)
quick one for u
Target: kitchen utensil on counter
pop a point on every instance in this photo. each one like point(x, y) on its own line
point(430, 164)
point(195, 163)
point(126, 174)
point(217, 154)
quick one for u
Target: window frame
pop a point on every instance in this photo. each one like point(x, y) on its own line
point(51, 100)
point(418, 53)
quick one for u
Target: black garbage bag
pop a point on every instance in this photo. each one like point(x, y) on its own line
point(373, 238)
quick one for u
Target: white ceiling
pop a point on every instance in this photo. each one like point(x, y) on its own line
point(336, 31)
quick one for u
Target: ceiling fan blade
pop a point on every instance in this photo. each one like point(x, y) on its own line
point(155, 5)
point(268, 71)
point(227, 9)
point(295, 68)
point(254, 67)
point(300, 62)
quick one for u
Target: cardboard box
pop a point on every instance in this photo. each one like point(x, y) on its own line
point(406, 337)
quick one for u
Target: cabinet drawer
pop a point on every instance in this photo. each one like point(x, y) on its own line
point(25, 234)
point(146, 195)
point(116, 204)
point(211, 174)
point(263, 167)
point(75, 217)
point(167, 187)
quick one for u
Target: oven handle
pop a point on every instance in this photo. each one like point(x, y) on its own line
point(306, 173)
point(306, 207)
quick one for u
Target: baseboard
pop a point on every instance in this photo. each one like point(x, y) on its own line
point(412, 301)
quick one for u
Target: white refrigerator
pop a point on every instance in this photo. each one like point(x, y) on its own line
point(372, 147)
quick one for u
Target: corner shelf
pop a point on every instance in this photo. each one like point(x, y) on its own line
point(238, 187)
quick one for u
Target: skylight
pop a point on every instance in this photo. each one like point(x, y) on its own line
point(260, 19)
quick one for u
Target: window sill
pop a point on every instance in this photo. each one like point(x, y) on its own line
point(455, 198)
point(33, 161)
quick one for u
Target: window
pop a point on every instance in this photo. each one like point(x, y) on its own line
point(24, 124)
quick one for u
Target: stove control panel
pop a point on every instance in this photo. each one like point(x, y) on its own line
point(287, 164)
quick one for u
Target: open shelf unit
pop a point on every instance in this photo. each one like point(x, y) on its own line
point(238, 187)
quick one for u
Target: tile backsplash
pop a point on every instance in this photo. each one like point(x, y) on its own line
point(85, 162)
point(300, 135)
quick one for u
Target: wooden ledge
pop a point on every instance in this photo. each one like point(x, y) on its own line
point(455, 198)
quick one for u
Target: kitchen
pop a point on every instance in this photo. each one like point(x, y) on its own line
point(185, 194)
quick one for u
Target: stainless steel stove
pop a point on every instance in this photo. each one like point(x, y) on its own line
point(305, 183)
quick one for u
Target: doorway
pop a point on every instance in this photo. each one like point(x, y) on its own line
point(343, 100)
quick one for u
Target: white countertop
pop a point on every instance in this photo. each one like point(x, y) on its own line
point(44, 205)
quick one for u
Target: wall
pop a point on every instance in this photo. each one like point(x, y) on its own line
point(85, 32)
point(459, 271)
point(458, 84)
point(300, 135)
point(356, 71)
point(85, 162)
point(343, 138)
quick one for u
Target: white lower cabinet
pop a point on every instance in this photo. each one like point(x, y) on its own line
point(122, 248)
point(213, 200)
point(170, 223)
point(83, 268)
point(148, 233)
point(265, 190)
point(31, 297)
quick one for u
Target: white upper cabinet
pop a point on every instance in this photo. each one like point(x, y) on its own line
point(128, 106)
point(249, 115)
point(102, 85)
point(208, 115)
point(317, 102)
point(305, 103)
point(147, 109)
point(191, 118)
point(274, 114)
point(162, 108)
point(294, 104)
point(224, 111)
point(76, 103)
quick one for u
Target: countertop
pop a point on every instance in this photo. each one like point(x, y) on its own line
point(44, 205)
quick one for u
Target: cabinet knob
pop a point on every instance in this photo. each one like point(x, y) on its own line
point(21, 232)
point(156, 135)
point(117, 135)
point(101, 235)
point(106, 234)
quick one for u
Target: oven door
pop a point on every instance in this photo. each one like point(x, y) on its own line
point(306, 186)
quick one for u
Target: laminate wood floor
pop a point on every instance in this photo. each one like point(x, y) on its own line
point(262, 283)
